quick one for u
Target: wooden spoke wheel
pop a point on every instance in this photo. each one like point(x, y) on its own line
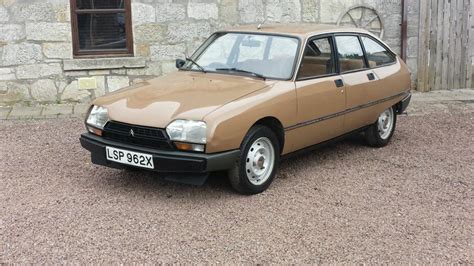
point(364, 17)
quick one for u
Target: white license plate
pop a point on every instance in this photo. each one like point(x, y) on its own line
point(129, 157)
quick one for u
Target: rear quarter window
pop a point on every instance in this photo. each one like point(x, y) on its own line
point(377, 55)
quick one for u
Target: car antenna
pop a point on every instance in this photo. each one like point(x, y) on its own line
point(261, 24)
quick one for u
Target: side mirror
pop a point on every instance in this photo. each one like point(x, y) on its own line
point(180, 63)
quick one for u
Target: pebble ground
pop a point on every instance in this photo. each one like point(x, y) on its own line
point(411, 201)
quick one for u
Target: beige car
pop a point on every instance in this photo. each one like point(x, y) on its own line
point(248, 96)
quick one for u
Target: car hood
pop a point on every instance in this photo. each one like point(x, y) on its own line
point(178, 95)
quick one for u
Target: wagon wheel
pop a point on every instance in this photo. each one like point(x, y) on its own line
point(362, 17)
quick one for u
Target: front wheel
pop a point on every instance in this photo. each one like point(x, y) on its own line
point(256, 168)
point(380, 132)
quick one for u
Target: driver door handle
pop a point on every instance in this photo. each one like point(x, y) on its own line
point(339, 83)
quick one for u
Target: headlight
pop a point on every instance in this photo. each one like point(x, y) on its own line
point(97, 118)
point(188, 131)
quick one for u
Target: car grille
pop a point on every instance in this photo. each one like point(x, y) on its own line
point(142, 136)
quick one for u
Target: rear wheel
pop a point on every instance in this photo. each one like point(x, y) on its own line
point(380, 132)
point(256, 168)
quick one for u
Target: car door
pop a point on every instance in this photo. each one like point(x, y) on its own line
point(320, 95)
point(387, 71)
point(359, 81)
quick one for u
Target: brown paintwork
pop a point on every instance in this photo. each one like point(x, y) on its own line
point(182, 94)
point(317, 98)
point(230, 105)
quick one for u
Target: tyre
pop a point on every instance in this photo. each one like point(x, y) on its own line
point(379, 133)
point(258, 162)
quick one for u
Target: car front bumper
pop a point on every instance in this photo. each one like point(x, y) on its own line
point(170, 162)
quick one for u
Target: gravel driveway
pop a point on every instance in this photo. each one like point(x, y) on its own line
point(409, 202)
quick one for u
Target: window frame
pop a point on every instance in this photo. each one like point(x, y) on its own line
point(200, 50)
point(333, 57)
point(338, 70)
point(394, 55)
point(364, 57)
point(78, 53)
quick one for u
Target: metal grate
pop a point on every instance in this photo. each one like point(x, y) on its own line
point(143, 136)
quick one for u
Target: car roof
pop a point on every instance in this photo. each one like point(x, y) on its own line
point(300, 29)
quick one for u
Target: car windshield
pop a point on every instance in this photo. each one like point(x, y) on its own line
point(264, 56)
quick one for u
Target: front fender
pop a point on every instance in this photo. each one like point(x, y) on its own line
point(228, 125)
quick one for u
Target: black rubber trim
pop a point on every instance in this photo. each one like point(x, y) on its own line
point(353, 109)
point(164, 161)
point(404, 104)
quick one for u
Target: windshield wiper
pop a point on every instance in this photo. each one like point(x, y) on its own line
point(233, 69)
point(196, 64)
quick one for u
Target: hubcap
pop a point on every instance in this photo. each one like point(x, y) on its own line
point(259, 161)
point(385, 123)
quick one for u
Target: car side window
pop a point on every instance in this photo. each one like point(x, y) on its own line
point(350, 54)
point(318, 59)
point(376, 54)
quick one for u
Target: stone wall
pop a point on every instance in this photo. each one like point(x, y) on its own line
point(37, 65)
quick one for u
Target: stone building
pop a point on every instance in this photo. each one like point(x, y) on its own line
point(61, 51)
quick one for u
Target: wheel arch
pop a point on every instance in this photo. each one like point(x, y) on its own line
point(274, 125)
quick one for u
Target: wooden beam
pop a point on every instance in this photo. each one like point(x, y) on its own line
point(432, 45)
point(470, 44)
point(423, 44)
point(457, 59)
point(445, 49)
point(452, 44)
point(439, 45)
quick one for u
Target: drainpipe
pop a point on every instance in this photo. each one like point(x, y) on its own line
point(404, 30)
